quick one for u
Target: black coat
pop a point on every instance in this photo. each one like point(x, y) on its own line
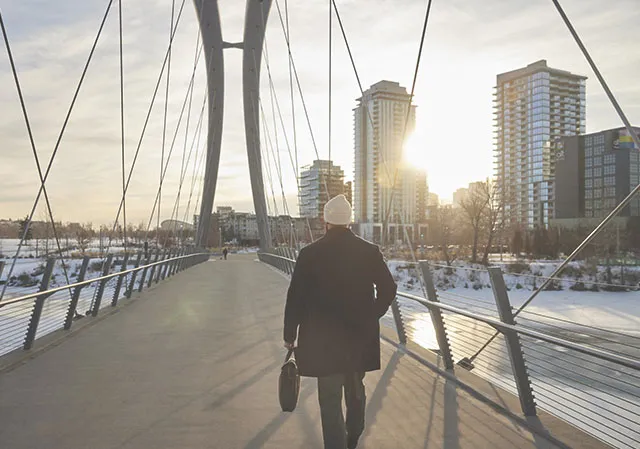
point(332, 306)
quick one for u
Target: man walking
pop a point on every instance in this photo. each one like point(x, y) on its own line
point(334, 311)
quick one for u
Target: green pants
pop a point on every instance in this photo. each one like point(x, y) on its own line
point(330, 389)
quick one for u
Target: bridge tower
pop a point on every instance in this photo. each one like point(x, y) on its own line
point(256, 15)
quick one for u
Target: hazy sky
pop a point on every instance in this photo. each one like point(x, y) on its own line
point(468, 43)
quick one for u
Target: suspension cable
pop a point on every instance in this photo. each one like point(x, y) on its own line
point(376, 137)
point(269, 176)
point(183, 169)
point(293, 108)
point(175, 135)
point(176, 206)
point(164, 124)
point(273, 96)
point(297, 78)
point(408, 115)
point(274, 101)
point(43, 179)
point(122, 130)
point(271, 152)
point(196, 166)
point(201, 184)
point(330, 94)
point(146, 122)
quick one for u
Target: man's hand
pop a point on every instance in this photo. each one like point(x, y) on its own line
point(288, 345)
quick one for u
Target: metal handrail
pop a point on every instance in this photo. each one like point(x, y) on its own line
point(50, 292)
point(502, 327)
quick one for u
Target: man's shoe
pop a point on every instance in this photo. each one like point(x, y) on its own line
point(352, 441)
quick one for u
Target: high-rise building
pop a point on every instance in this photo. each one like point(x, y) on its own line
point(386, 190)
point(595, 172)
point(534, 106)
point(433, 199)
point(315, 180)
point(348, 191)
point(459, 196)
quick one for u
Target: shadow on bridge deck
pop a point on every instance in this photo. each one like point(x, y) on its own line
point(193, 363)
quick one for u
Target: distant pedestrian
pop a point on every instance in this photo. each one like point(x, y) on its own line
point(224, 253)
point(333, 311)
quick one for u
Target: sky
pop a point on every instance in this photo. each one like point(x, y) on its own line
point(467, 44)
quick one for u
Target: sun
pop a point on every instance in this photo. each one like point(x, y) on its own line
point(414, 151)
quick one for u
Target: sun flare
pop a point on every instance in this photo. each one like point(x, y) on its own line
point(415, 151)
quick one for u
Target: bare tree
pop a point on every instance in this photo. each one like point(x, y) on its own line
point(444, 228)
point(474, 208)
point(83, 236)
point(493, 210)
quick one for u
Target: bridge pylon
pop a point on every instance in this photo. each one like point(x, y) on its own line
point(256, 15)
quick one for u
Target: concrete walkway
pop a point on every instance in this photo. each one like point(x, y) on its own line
point(193, 363)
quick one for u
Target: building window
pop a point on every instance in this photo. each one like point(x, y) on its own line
point(588, 213)
point(597, 161)
point(609, 203)
point(610, 192)
point(597, 183)
point(609, 169)
point(588, 204)
point(610, 181)
point(588, 194)
point(588, 152)
point(597, 193)
point(597, 204)
point(588, 183)
point(588, 162)
point(597, 172)
point(610, 159)
point(588, 173)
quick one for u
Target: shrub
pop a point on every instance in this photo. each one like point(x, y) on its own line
point(95, 266)
point(594, 288)
point(477, 285)
point(632, 277)
point(554, 286)
point(615, 288)
point(25, 280)
point(517, 267)
point(574, 272)
point(519, 286)
point(578, 287)
point(466, 285)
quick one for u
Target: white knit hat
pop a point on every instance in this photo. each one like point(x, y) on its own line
point(337, 211)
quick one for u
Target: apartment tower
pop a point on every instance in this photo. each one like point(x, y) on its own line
point(535, 106)
point(387, 193)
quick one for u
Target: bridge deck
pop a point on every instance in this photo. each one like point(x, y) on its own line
point(193, 363)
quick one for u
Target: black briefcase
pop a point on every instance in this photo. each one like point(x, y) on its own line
point(289, 383)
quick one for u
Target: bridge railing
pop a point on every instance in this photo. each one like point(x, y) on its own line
point(25, 318)
point(595, 387)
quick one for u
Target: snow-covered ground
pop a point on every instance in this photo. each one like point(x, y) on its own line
point(600, 397)
point(471, 288)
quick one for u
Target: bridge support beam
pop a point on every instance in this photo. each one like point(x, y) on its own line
point(254, 30)
point(209, 19)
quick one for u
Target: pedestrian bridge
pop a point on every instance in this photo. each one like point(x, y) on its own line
point(192, 362)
